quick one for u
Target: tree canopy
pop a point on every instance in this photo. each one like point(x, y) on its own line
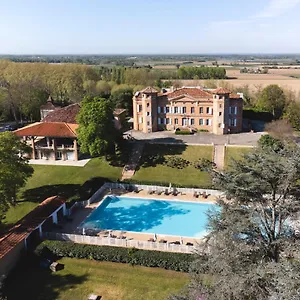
point(251, 248)
point(14, 168)
point(272, 100)
point(96, 132)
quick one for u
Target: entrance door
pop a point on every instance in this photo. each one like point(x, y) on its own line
point(58, 155)
point(184, 121)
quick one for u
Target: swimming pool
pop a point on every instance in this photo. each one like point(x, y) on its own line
point(180, 218)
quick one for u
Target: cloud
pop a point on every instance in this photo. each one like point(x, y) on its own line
point(276, 8)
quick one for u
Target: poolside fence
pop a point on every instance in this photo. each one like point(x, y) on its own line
point(127, 243)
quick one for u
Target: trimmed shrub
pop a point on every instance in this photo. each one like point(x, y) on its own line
point(203, 130)
point(204, 164)
point(176, 162)
point(170, 261)
point(183, 132)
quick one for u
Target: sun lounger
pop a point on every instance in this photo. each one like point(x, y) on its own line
point(159, 192)
point(174, 192)
point(151, 240)
point(189, 244)
point(195, 195)
point(163, 241)
point(166, 192)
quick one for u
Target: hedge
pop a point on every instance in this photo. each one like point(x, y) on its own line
point(147, 258)
point(183, 132)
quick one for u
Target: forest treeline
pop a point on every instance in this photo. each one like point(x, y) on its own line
point(24, 87)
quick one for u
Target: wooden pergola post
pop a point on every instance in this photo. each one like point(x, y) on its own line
point(33, 147)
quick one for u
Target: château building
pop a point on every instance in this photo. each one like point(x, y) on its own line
point(217, 111)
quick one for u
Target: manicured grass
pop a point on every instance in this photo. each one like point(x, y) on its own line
point(235, 153)
point(163, 174)
point(81, 277)
point(69, 182)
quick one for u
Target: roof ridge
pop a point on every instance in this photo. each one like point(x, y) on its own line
point(69, 127)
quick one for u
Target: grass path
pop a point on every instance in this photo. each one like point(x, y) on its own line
point(81, 277)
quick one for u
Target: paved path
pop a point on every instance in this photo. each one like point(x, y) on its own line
point(247, 139)
point(133, 161)
point(219, 156)
point(79, 163)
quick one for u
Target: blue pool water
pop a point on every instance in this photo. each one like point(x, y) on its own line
point(150, 216)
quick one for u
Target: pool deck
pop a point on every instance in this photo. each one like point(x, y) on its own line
point(82, 213)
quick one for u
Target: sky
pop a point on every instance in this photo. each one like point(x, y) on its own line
point(149, 26)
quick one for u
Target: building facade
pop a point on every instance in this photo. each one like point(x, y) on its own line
point(217, 111)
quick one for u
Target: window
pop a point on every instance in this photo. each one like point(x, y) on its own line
point(192, 121)
point(192, 110)
point(167, 109)
point(200, 121)
point(235, 110)
point(164, 109)
point(207, 110)
point(167, 121)
point(184, 110)
point(140, 120)
point(148, 113)
point(158, 109)
point(233, 122)
point(140, 108)
point(220, 105)
point(175, 110)
point(220, 114)
point(148, 123)
point(219, 125)
point(176, 121)
point(148, 104)
point(158, 121)
point(207, 122)
point(201, 110)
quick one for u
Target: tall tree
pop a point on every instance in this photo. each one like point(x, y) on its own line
point(14, 168)
point(293, 114)
point(96, 132)
point(122, 98)
point(249, 251)
point(273, 100)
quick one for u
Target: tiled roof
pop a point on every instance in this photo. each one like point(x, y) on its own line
point(49, 105)
point(193, 92)
point(149, 90)
point(29, 223)
point(48, 129)
point(65, 114)
point(221, 91)
point(119, 111)
point(234, 96)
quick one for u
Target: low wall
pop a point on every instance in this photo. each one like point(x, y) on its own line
point(107, 241)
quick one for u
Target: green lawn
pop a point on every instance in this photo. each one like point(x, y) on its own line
point(235, 153)
point(163, 174)
point(82, 277)
point(69, 182)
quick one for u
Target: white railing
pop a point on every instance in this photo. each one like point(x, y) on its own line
point(128, 243)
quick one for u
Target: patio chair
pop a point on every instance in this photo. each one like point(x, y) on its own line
point(189, 244)
point(166, 192)
point(204, 195)
point(195, 195)
point(175, 192)
point(150, 192)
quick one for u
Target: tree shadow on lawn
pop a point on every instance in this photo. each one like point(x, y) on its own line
point(29, 280)
point(69, 192)
point(155, 154)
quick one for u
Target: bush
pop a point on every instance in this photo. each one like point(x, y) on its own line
point(204, 164)
point(257, 115)
point(156, 259)
point(176, 162)
point(203, 130)
point(183, 132)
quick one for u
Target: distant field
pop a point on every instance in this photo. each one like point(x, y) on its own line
point(254, 81)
